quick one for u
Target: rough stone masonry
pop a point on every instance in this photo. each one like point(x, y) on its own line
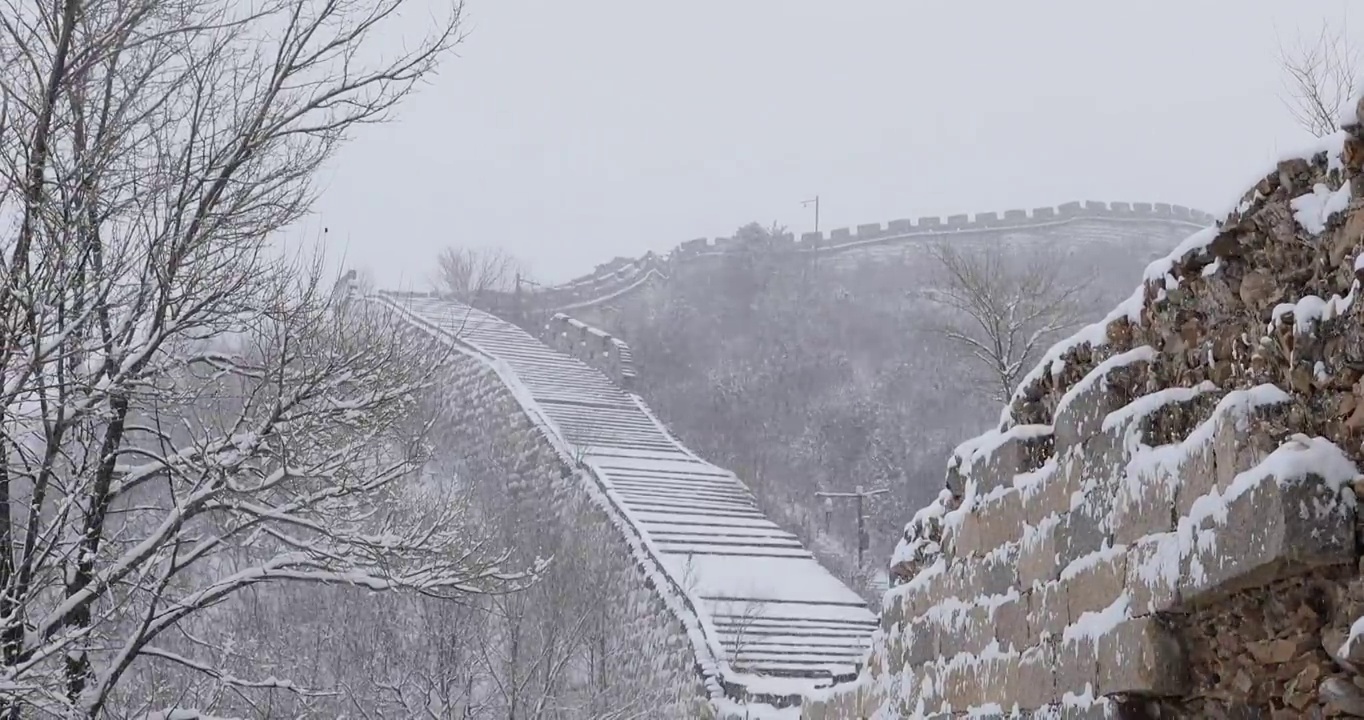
point(1164, 522)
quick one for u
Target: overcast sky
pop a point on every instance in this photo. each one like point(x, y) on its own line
point(572, 132)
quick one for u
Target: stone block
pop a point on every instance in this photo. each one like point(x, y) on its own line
point(1079, 533)
point(1154, 568)
point(1104, 462)
point(895, 653)
point(1010, 623)
point(997, 573)
point(1141, 656)
point(1037, 556)
point(961, 581)
point(1096, 585)
point(1001, 520)
point(892, 613)
point(924, 596)
point(1051, 493)
point(995, 680)
point(869, 230)
point(1047, 612)
point(1142, 505)
point(900, 227)
point(1276, 528)
point(1022, 451)
point(961, 541)
point(922, 641)
point(1239, 446)
point(977, 633)
point(926, 685)
point(960, 685)
point(958, 221)
point(1080, 416)
point(1035, 671)
point(1197, 477)
point(1077, 665)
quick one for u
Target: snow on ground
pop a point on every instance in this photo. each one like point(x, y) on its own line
point(771, 579)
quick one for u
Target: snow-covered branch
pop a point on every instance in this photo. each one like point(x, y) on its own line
point(187, 418)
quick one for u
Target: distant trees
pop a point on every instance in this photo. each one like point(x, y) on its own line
point(467, 273)
point(1320, 78)
point(1003, 309)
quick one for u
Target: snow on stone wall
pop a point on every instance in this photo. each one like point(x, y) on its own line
point(488, 429)
point(1164, 520)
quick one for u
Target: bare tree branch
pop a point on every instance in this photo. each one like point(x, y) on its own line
point(1003, 310)
point(1320, 78)
point(468, 274)
point(185, 419)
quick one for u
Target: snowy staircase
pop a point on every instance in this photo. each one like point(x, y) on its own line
point(774, 610)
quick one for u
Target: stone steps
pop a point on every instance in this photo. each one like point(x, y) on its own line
point(750, 579)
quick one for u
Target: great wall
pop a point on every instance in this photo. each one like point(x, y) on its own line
point(1163, 523)
point(616, 280)
point(716, 610)
point(737, 649)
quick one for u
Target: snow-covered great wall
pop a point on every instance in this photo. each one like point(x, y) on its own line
point(616, 281)
point(1164, 522)
point(720, 612)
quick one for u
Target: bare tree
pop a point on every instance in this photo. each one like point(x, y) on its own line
point(1004, 308)
point(1320, 78)
point(753, 610)
point(467, 273)
point(182, 418)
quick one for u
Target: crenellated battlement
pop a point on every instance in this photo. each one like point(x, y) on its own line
point(620, 276)
point(595, 347)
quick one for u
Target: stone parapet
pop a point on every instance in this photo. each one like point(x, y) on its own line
point(595, 347)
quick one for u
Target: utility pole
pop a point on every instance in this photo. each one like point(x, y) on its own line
point(815, 202)
point(863, 541)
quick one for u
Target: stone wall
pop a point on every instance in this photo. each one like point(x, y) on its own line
point(597, 348)
point(1164, 522)
point(622, 276)
point(486, 433)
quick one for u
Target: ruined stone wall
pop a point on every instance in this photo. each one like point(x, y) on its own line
point(1164, 522)
point(487, 437)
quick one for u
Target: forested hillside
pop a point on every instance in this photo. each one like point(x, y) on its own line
point(805, 375)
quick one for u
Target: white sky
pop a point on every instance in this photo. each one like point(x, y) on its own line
point(571, 132)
